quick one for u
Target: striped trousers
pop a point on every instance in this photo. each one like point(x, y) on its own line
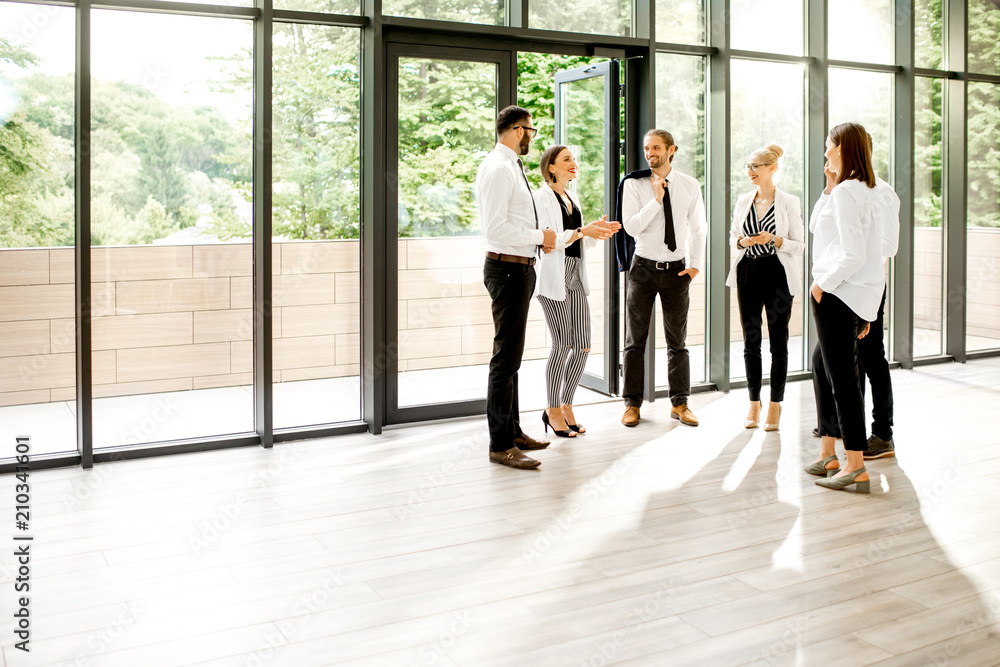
point(569, 326)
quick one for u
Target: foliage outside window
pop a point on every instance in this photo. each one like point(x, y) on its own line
point(462, 11)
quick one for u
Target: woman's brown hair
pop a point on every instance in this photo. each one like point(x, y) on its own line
point(855, 153)
point(550, 154)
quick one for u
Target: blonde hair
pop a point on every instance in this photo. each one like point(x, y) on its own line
point(768, 154)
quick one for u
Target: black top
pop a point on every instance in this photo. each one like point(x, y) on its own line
point(752, 227)
point(572, 219)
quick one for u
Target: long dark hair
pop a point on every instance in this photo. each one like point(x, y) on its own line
point(855, 153)
point(550, 154)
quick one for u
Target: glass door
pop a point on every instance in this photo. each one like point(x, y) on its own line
point(442, 108)
point(588, 121)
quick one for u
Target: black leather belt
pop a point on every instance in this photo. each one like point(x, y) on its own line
point(662, 266)
point(516, 259)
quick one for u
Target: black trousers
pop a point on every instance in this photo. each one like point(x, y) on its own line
point(510, 287)
point(871, 355)
point(644, 284)
point(761, 285)
point(835, 372)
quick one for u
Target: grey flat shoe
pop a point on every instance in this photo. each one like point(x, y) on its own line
point(842, 482)
point(819, 467)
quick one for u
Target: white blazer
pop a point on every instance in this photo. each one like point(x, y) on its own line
point(552, 268)
point(787, 224)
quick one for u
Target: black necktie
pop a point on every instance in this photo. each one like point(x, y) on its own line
point(668, 218)
point(520, 168)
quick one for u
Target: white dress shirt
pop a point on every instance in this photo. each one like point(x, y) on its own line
point(506, 211)
point(552, 268)
point(788, 226)
point(643, 219)
point(847, 227)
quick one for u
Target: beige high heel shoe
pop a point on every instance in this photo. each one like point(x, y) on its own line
point(768, 426)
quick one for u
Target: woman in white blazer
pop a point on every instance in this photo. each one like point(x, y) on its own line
point(848, 282)
point(766, 240)
point(562, 286)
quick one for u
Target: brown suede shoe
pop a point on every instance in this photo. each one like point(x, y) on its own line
point(526, 442)
point(631, 416)
point(514, 458)
point(684, 414)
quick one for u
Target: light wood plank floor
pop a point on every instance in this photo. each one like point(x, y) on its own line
point(659, 545)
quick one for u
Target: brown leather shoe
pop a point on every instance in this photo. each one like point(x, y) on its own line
point(526, 442)
point(684, 414)
point(631, 416)
point(514, 458)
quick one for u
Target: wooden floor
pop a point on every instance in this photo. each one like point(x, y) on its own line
point(658, 545)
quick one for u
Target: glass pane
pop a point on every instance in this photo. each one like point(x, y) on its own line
point(767, 26)
point(680, 109)
point(37, 326)
point(170, 203)
point(865, 98)
point(928, 242)
point(984, 26)
point(602, 17)
point(928, 25)
point(316, 251)
point(447, 110)
point(760, 116)
point(680, 21)
point(584, 127)
point(324, 6)
point(490, 12)
point(982, 324)
point(861, 31)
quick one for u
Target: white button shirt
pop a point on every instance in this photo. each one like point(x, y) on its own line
point(506, 210)
point(848, 232)
point(643, 219)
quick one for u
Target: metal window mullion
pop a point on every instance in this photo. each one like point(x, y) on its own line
point(718, 147)
point(955, 180)
point(84, 351)
point(900, 314)
point(263, 343)
point(375, 237)
point(817, 119)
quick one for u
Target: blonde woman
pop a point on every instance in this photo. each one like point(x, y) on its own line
point(767, 241)
point(563, 288)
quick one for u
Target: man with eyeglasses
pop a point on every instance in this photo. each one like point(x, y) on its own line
point(665, 213)
point(510, 230)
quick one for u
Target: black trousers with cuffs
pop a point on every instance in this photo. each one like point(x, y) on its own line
point(839, 403)
point(510, 287)
point(761, 285)
point(645, 282)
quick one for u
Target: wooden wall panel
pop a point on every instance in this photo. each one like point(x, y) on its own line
point(24, 267)
point(304, 289)
point(312, 257)
point(224, 260)
point(61, 265)
point(127, 331)
point(216, 326)
point(169, 296)
point(304, 352)
point(173, 362)
point(35, 302)
point(132, 263)
point(459, 251)
point(297, 321)
point(23, 338)
point(430, 283)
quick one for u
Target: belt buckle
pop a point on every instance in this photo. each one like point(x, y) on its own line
point(661, 266)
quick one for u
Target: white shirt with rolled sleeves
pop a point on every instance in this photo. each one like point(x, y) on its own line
point(506, 212)
point(848, 232)
point(643, 219)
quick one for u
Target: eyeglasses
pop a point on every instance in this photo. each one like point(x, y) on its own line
point(533, 130)
point(754, 167)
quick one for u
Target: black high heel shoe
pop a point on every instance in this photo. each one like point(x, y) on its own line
point(576, 427)
point(561, 434)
